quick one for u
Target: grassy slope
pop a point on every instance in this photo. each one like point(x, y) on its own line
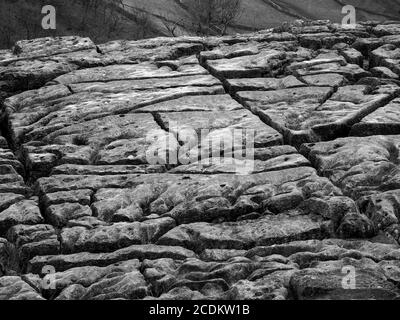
point(323, 9)
point(261, 14)
point(20, 19)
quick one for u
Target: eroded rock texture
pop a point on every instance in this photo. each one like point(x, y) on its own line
point(92, 192)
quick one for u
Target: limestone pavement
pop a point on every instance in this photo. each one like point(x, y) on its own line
point(78, 194)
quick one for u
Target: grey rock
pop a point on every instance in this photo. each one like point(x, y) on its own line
point(14, 288)
point(141, 252)
point(23, 212)
point(116, 236)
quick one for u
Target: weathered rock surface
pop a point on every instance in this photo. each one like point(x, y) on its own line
point(141, 252)
point(216, 128)
point(383, 121)
point(23, 212)
point(358, 165)
point(14, 288)
point(367, 170)
point(305, 113)
point(260, 166)
point(244, 234)
point(235, 85)
point(33, 240)
point(387, 56)
point(324, 281)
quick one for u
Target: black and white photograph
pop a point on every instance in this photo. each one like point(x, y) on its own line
point(199, 157)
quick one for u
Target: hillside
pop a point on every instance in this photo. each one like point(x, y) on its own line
point(262, 14)
point(21, 19)
point(137, 19)
point(114, 180)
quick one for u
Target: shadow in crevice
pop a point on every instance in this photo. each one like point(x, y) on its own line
point(5, 129)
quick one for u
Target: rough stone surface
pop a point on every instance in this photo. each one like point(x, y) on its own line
point(254, 166)
point(14, 288)
point(384, 121)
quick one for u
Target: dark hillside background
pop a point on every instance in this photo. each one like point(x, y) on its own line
point(104, 20)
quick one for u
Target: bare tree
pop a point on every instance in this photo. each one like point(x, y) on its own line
point(171, 26)
point(230, 11)
point(213, 16)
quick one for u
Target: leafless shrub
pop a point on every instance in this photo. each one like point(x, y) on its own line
point(171, 26)
point(214, 16)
